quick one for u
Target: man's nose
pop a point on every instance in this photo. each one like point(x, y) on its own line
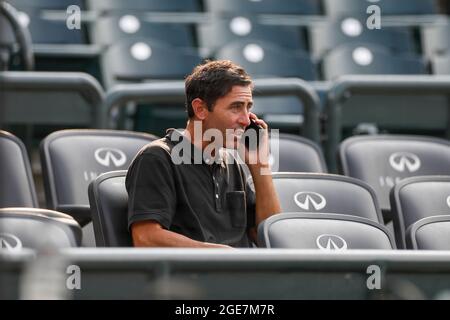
point(244, 120)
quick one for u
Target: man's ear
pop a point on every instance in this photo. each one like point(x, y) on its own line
point(200, 108)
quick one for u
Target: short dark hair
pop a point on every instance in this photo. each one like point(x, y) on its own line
point(212, 80)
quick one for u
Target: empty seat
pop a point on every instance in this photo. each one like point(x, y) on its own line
point(369, 59)
point(144, 5)
point(328, 232)
point(419, 197)
point(71, 159)
point(306, 7)
point(111, 29)
point(44, 31)
point(16, 179)
point(15, 40)
point(109, 202)
point(264, 59)
point(37, 229)
point(384, 160)
point(352, 30)
point(431, 233)
point(47, 4)
point(292, 153)
point(220, 32)
point(139, 59)
point(387, 7)
point(441, 64)
point(310, 192)
point(436, 40)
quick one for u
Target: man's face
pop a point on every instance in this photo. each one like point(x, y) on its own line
point(231, 112)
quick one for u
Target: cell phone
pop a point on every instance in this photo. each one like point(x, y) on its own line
point(253, 125)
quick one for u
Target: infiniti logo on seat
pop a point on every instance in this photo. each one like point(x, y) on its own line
point(307, 199)
point(331, 242)
point(10, 242)
point(105, 156)
point(401, 161)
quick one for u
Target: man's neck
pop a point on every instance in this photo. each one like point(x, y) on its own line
point(195, 135)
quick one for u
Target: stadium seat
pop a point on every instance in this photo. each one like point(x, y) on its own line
point(47, 4)
point(388, 104)
point(369, 59)
point(108, 30)
point(264, 59)
point(387, 7)
point(39, 229)
point(352, 30)
point(107, 6)
point(51, 98)
point(431, 233)
point(220, 32)
point(16, 180)
point(329, 232)
point(71, 159)
point(418, 197)
point(299, 7)
point(109, 202)
point(134, 60)
point(312, 192)
point(15, 40)
point(44, 31)
point(441, 64)
point(292, 153)
point(384, 160)
point(435, 40)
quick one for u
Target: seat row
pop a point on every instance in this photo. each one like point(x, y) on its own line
point(302, 7)
point(373, 165)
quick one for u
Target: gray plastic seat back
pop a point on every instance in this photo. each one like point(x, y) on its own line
point(387, 7)
point(37, 229)
point(264, 59)
point(220, 32)
point(71, 159)
point(141, 59)
point(435, 40)
point(111, 29)
point(263, 7)
point(144, 5)
point(16, 180)
point(353, 30)
point(292, 153)
point(382, 161)
point(327, 232)
point(416, 198)
point(369, 59)
point(109, 202)
point(441, 64)
point(326, 193)
point(431, 233)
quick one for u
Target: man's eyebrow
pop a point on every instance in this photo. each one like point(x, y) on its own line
point(235, 103)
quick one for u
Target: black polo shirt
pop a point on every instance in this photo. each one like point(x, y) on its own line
point(208, 202)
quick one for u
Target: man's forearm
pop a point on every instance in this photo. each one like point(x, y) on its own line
point(165, 238)
point(267, 203)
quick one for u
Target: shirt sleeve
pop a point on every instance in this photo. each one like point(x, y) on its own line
point(151, 190)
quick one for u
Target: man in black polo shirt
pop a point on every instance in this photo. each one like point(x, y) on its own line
point(186, 190)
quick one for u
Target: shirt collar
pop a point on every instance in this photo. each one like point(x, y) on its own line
point(176, 137)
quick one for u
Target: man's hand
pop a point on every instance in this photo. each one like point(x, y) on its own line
point(257, 159)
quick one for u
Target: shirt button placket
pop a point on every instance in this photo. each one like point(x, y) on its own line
point(216, 192)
